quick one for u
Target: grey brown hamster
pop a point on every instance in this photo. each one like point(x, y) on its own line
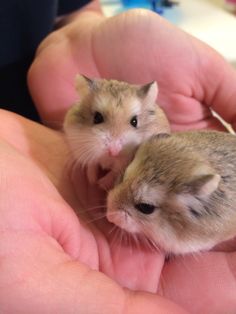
point(108, 123)
point(179, 191)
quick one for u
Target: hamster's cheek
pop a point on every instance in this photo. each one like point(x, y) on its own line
point(132, 139)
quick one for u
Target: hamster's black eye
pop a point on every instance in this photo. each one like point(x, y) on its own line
point(134, 121)
point(145, 208)
point(98, 118)
point(194, 212)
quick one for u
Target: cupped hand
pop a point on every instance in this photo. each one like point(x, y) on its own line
point(54, 261)
point(137, 46)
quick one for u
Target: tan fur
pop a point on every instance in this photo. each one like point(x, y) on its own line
point(118, 102)
point(194, 176)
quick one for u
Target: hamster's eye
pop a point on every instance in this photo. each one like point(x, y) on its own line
point(98, 118)
point(195, 213)
point(134, 121)
point(145, 208)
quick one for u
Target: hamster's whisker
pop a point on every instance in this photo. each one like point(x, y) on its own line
point(95, 207)
point(129, 238)
point(106, 190)
point(116, 235)
point(126, 238)
point(90, 210)
point(96, 219)
point(85, 156)
point(112, 229)
point(134, 236)
point(143, 241)
point(85, 145)
point(82, 141)
point(72, 162)
point(197, 256)
point(136, 241)
point(153, 245)
point(122, 236)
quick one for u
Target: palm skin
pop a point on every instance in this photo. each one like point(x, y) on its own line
point(59, 252)
point(137, 46)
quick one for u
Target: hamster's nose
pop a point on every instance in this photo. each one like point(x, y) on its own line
point(114, 148)
point(117, 218)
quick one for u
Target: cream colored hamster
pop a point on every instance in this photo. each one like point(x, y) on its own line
point(109, 122)
point(179, 191)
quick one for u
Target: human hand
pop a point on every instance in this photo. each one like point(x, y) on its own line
point(52, 261)
point(137, 46)
point(192, 78)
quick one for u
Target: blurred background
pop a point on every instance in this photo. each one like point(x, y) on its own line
point(212, 21)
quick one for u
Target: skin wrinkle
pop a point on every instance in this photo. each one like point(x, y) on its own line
point(86, 279)
point(91, 41)
point(219, 85)
point(200, 92)
point(54, 100)
point(232, 118)
point(108, 69)
point(215, 92)
point(188, 124)
point(102, 257)
point(232, 267)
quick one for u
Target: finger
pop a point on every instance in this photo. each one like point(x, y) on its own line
point(192, 77)
point(41, 145)
point(226, 246)
point(219, 81)
point(66, 53)
point(40, 243)
point(204, 283)
point(210, 122)
point(37, 275)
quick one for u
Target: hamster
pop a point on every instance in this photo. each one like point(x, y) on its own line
point(179, 191)
point(108, 123)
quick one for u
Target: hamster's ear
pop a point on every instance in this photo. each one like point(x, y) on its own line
point(204, 181)
point(84, 85)
point(148, 93)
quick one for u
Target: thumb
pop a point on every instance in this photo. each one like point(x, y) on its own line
point(219, 81)
point(142, 302)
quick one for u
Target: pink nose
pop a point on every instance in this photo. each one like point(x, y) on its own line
point(114, 149)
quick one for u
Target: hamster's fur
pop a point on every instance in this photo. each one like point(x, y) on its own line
point(179, 191)
point(108, 123)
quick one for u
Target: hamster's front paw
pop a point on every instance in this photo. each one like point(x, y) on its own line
point(107, 182)
point(92, 173)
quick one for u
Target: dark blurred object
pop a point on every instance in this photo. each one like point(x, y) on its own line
point(159, 5)
point(23, 25)
point(168, 3)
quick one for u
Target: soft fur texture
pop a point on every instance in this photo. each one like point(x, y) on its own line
point(112, 143)
point(190, 178)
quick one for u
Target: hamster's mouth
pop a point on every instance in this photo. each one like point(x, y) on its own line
point(102, 172)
